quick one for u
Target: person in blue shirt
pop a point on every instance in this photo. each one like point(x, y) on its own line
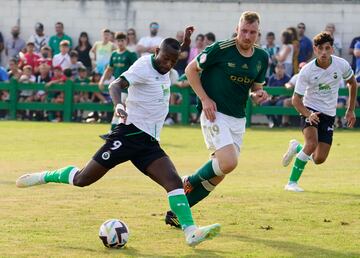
point(306, 49)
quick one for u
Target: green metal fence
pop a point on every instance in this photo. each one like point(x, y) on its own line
point(185, 109)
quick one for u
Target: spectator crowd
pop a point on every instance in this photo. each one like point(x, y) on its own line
point(55, 59)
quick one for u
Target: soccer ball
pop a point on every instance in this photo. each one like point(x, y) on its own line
point(114, 233)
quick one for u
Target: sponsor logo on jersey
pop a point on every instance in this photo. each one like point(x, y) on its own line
point(241, 79)
point(324, 86)
point(244, 66)
point(258, 66)
point(105, 155)
point(231, 65)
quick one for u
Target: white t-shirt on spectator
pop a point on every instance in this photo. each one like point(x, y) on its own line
point(147, 103)
point(39, 41)
point(149, 42)
point(320, 86)
point(61, 60)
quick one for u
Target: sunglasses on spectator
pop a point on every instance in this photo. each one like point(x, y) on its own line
point(301, 27)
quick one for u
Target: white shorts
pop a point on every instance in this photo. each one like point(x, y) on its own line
point(223, 131)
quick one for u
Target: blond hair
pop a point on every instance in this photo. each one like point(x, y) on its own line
point(250, 17)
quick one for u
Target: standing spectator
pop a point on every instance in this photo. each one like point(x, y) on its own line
point(14, 44)
point(55, 40)
point(30, 58)
point(357, 55)
point(102, 51)
point(286, 52)
point(351, 52)
point(1, 46)
point(62, 59)
point(83, 48)
point(39, 38)
point(296, 46)
point(272, 49)
point(305, 48)
point(148, 44)
point(184, 54)
point(14, 70)
point(278, 79)
point(199, 46)
point(330, 27)
point(209, 39)
point(131, 40)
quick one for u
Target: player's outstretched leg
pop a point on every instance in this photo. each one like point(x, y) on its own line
point(294, 148)
point(297, 169)
point(164, 173)
point(92, 172)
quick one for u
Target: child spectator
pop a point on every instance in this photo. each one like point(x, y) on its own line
point(199, 46)
point(62, 59)
point(14, 71)
point(272, 49)
point(56, 96)
point(30, 57)
point(27, 77)
point(45, 58)
point(75, 64)
point(102, 51)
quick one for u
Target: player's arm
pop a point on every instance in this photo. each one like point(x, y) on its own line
point(106, 75)
point(192, 73)
point(350, 114)
point(299, 106)
point(115, 93)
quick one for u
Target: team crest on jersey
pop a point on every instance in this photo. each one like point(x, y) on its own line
point(335, 75)
point(231, 65)
point(203, 58)
point(105, 155)
point(245, 66)
point(258, 66)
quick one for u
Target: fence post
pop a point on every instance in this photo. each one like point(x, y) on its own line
point(249, 106)
point(13, 99)
point(68, 100)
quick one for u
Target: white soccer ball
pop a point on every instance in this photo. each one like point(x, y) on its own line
point(114, 233)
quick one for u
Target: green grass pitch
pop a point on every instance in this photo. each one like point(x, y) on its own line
point(259, 219)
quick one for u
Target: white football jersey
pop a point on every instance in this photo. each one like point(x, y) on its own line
point(147, 103)
point(320, 86)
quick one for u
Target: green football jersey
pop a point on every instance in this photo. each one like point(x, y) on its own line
point(121, 62)
point(227, 76)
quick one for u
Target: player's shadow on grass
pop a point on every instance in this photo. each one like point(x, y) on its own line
point(354, 195)
point(296, 249)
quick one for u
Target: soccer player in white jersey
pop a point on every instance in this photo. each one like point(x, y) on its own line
point(147, 105)
point(315, 97)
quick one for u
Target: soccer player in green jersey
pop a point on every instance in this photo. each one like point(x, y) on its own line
point(229, 69)
point(120, 61)
point(315, 97)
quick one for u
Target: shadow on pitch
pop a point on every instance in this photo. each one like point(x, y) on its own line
point(354, 195)
point(296, 249)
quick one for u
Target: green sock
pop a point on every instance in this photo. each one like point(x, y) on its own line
point(60, 175)
point(299, 148)
point(204, 173)
point(180, 206)
point(297, 169)
point(112, 127)
point(197, 194)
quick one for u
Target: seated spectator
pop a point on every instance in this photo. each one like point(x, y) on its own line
point(199, 46)
point(26, 77)
point(14, 70)
point(84, 80)
point(83, 49)
point(272, 49)
point(278, 79)
point(4, 95)
point(30, 57)
point(39, 38)
point(291, 85)
point(62, 59)
point(45, 58)
point(56, 96)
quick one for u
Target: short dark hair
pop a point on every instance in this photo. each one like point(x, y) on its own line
point(200, 36)
point(288, 38)
point(322, 38)
point(170, 43)
point(120, 35)
point(74, 53)
point(60, 23)
point(301, 24)
point(270, 34)
point(210, 36)
point(106, 31)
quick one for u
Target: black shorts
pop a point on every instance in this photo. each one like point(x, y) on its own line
point(127, 142)
point(325, 127)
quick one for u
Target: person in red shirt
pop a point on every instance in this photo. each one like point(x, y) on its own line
point(30, 57)
point(56, 96)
